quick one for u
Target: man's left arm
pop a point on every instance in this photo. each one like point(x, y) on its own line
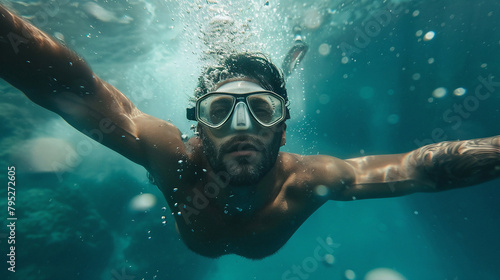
point(432, 168)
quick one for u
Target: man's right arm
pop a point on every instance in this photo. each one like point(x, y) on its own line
point(57, 79)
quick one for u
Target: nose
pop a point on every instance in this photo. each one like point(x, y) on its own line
point(241, 117)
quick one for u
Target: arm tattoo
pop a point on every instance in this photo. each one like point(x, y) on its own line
point(458, 164)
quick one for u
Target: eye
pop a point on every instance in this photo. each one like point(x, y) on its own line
point(262, 108)
point(219, 109)
point(218, 112)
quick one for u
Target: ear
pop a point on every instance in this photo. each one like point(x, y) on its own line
point(283, 135)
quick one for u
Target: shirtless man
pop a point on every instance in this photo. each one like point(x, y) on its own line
point(236, 194)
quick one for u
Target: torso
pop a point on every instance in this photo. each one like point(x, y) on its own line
point(211, 229)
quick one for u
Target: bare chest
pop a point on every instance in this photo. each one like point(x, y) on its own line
point(253, 228)
point(213, 232)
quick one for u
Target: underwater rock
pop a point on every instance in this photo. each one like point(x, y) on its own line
point(58, 234)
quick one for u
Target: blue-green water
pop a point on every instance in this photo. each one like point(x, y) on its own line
point(371, 83)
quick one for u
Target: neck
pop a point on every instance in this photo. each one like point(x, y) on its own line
point(240, 201)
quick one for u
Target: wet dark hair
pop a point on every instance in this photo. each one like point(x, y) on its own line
point(255, 66)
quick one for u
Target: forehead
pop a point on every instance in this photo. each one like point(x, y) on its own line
point(238, 86)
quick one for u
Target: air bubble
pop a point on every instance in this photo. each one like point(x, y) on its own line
point(440, 92)
point(324, 49)
point(312, 19)
point(429, 35)
point(384, 273)
point(321, 190)
point(460, 91)
point(329, 259)
point(324, 99)
point(349, 274)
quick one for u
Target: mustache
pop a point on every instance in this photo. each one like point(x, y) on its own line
point(242, 143)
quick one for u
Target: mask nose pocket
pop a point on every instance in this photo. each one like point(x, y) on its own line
point(241, 117)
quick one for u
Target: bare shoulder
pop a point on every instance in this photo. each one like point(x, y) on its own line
point(160, 141)
point(306, 173)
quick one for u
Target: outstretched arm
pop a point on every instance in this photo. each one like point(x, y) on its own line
point(432, 168)
point(57, 79)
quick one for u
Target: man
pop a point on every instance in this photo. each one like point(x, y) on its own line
point(231, 189)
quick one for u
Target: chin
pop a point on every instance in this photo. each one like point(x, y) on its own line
point(243, 173)
point(246, 166)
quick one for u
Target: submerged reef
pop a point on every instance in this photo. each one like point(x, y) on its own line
point(58, 233)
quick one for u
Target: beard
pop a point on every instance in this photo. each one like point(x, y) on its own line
point(243, 170)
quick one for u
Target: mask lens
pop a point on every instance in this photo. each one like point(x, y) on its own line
point(266, 108)
point(215, 109)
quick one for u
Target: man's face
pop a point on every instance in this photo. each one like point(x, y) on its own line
point(242, 147)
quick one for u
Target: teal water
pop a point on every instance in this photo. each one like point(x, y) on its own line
point(379, 77)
